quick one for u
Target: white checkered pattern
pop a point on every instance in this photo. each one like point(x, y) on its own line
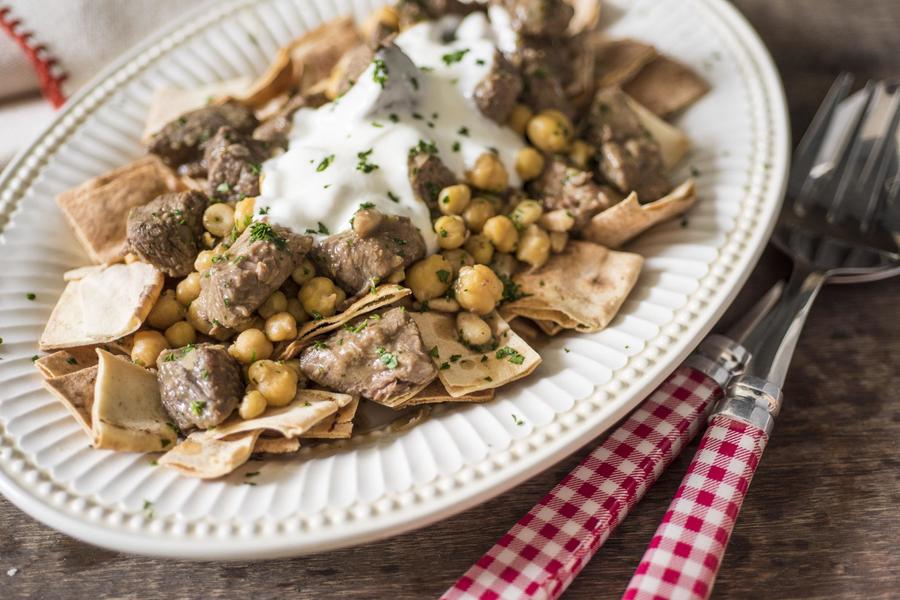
point(687, 548)
point(546, 549)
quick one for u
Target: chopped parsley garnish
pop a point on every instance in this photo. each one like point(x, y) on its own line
point(514, 356)
point(31, 295)
point(355, 328)
point(433, 353)
point(386, 358)
point(263, 232)
point(417, 116)
point(566, 350)
point(373, 284)
point(366, 205)
point(263, 211)
point(456, 146)
point(71, 360)
point(325, 163)
point(517, 420)
point(479, 62)
point(148, 509)
point(204, 374)
point(454, 57)
point(322, 229)
point(393, 118)
point(443, 274)
point(424, 147)
point(414, 81)
point(251, 474)
point(317, 316)
point(319, 344)
point(364, 165)
point(380, 74)
point(197, 407)
point(455, 357)
point(394, 197)
point(35, 358)
point(222, 188)
point(463, 131)
point(511, 290)
point(255, 168)
point(164, 442)
point(444, 366)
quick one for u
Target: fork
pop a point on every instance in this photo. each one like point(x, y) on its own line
point(840, 224)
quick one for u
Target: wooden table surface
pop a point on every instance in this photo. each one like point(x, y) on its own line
point(821, 520)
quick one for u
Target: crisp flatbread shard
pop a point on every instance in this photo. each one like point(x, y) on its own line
point(337, 426)
point(619, 60)
point(97, 210)
point(629, 218)
point(206, 457)
point(76, 392)
point(464, 371)
point(127, 414)
point(673, 143)
point(586, 17)
point(63, 362)
point(665, 86)
point(314, 54)
point(382, 296)
point(581, 288)
point(276, 445)
point(102, 305)
point(169, 103)
point(436, 393)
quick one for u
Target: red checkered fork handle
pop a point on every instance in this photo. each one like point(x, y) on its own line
point(687, 548)
point(542, 553)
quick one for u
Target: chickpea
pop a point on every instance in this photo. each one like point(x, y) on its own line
point(489, 173)
point(166, 311)
point(277, 382)
point(451, 230)
point(281, 326)
point(295, 309)
point(397, 276)
point(188, 289)
point(446, 305)
point(304, 272)
point(481, 249)
point(473, 330)
point(526, 213)
point(550, 131)
point(204, 261)
point(181, 334)
point(249, 346)
point(320, 297)
point(275, 303)
point(581, 153)
point(558, 241)
point(478, 289)
point(458, 258)
point(197, 320)
point(429, 278)
point(454, 199)
point(147, 347)
point(218, 219)
point(131, 258)
point(519, 117)
point(529, 163)
point(477, 213)
point(243, 213)
point(208, 240)
point(560, 220)
point(505, 265)
point(534, 247)
point(252, 405)
point(502, 233)
point(365, 221)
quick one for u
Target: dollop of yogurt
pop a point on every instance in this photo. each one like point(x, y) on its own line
point(355, 150)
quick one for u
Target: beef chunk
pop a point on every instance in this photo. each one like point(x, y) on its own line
point(255, 265)
point(428, 176)
point(377, 246)
point(496, 94)
point(181, 141)
point(547, 67)
point(379, 359)
point(233, 164)
point(165, 231)
point(199, 385)
point(275, 129)
point(539, 17)
point(414, 11)
point(562, 186)
point(629, 158)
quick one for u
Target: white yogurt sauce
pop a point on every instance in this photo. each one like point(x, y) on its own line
point(321, 180)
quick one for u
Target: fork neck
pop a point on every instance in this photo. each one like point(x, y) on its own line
point(772, 341)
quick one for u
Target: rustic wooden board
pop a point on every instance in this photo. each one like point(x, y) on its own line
point(821, 520)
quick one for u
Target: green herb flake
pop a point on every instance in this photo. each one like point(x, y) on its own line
point(386, 358)
point(464, 131)
point(164, 442)
point(454, 57)
point(222, 188)
point(364, 165)
point(455, 357)
point(31, 295)
point(393, 118)
point(456, 146)
point(381, 73)
point(433, 353)
point(263, 232)
point(319, 345)
point(444, 366)
point(35, 358)
point(443, 274)
point(325, 163)
point(366, 206)
point(154, 463)
point(519, 422)
point(514, 356)
point(71, 360)
point(197, 407)
point(148, 509)
point(251, 474)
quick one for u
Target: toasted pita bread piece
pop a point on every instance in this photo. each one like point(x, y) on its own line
point(314, 54)
point(626, 220)
point(169, 103)
point(665, 86)
point(581, 288)
point(309, 408)
point(127, 413)
point(63, 362)
point(464, 371)
point(76, 392)
point(436, 393)
point(97, 210)
point(673, 143)
point(619, 60)
point(586, 17)
point(276, 445)
point(277, 79)
point(337, 426)
point(204, 456)
point(105, 304)
point(382, 296)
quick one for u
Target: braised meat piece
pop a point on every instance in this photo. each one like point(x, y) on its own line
point(564, 187)
point(375, 247)
point(200, 386)
point(496, 94)
point(376, 358)
point(547, 67)
point(233, 165)
point(181, 141)
point(275, 129)
point(253, 267)
point(413, 11)
point(165, 231)
point(428, 175)
point(629, 158)
point(539, 17)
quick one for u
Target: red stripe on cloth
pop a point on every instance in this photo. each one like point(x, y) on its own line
point(50, 74)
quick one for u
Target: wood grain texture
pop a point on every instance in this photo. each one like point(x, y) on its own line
point(820, 520)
